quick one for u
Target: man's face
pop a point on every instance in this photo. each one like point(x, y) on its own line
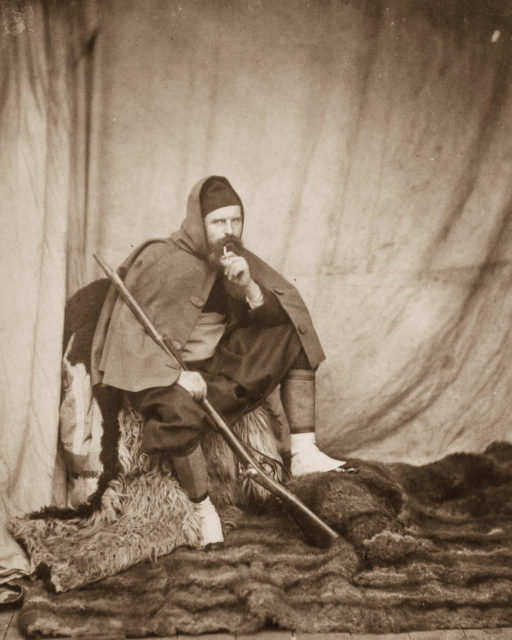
point(223, 222)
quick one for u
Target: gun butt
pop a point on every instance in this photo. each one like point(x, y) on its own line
point(317, 532)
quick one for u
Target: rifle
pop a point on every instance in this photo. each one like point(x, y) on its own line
point(315, 529)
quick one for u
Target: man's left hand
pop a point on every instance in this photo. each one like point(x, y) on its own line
point(236, 269)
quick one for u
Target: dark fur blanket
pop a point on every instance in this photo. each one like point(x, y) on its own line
point(422, 548)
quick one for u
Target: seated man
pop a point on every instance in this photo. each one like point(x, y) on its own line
point(240, 327)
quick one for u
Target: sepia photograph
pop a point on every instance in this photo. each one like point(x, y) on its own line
point(256, 269)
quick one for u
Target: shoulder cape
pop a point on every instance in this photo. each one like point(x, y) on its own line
point(172, 286)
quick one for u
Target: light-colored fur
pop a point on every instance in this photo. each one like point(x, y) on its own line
point(144, 512)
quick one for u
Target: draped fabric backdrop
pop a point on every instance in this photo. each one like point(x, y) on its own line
point(371, 143)
point(45, 71)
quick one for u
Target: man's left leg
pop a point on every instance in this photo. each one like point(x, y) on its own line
point(298, 393)
point(259, 359)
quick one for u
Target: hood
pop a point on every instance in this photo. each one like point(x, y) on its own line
point(191, 235)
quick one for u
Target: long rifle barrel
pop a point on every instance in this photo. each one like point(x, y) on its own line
point(316, 530)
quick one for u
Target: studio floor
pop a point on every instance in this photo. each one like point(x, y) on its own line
point(9, 631)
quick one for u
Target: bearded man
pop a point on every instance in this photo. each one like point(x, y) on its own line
point(240, 327)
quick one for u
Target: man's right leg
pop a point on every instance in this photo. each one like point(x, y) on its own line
point(172, 424)
point(192, 474)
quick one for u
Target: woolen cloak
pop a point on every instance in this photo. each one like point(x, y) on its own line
point(171, 280)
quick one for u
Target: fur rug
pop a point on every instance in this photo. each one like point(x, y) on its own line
point(142, 513)
point(126, 505)
point(422, 548)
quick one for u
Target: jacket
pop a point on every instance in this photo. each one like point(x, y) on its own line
point(171, 280)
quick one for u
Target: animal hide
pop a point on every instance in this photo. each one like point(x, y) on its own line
point(425, 547)
point(142, 513)
point(124, 505)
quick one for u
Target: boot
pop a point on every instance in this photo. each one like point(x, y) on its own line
point(192, 474)
point(211, 527)
point(298, 399)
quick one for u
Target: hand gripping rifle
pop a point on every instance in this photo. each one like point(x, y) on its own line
point(316, 530)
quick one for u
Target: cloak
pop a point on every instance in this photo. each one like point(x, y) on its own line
point(171, 280)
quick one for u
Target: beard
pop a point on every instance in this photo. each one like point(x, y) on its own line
point(216, 251)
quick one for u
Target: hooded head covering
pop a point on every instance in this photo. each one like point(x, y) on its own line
point(216, 193)
point(213, 193)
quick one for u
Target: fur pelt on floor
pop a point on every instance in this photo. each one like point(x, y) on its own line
point(143, 512)
point(127, 506)
point(421, 548)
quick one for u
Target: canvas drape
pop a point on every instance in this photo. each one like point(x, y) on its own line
point(371, 143)
point(45, 49)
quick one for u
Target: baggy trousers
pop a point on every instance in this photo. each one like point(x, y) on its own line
point(248, 364)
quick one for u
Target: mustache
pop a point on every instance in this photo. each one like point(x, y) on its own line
point(216, 250)
point(231, 242)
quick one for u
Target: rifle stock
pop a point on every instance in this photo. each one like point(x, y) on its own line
point(315, 529)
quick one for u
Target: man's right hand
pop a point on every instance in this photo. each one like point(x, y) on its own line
point(193, 382)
